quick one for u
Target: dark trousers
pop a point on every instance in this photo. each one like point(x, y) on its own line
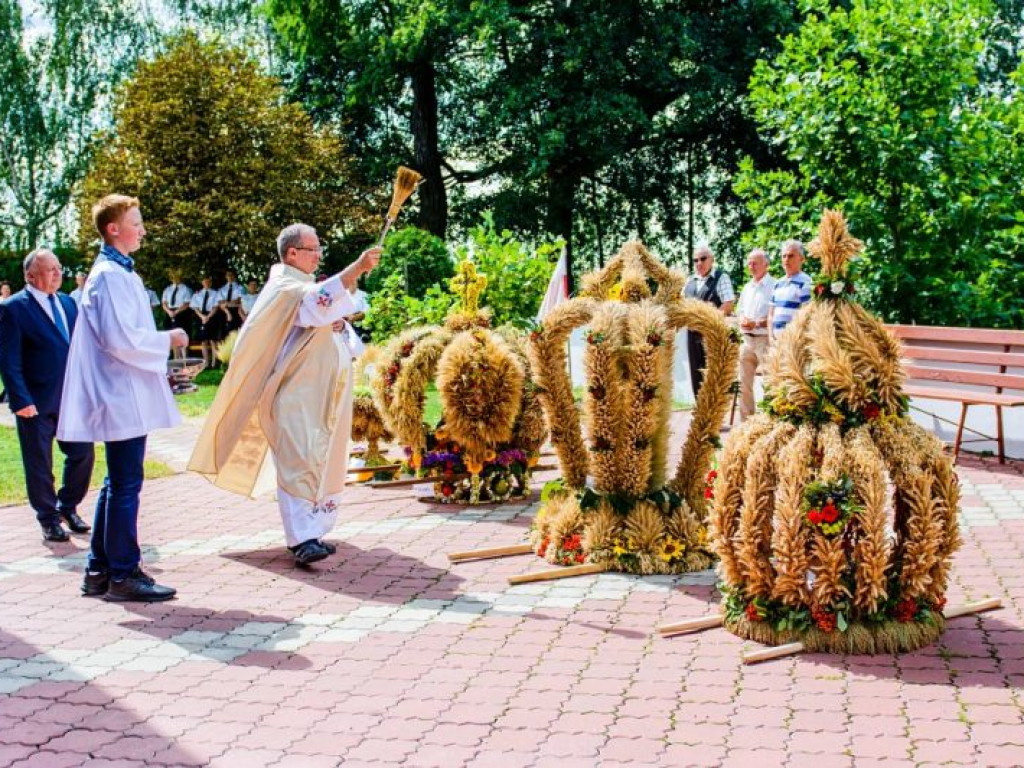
point(36, 437)
point(698, 360)
point(115, 531)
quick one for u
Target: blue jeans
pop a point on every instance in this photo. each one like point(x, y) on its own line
point(115, 531)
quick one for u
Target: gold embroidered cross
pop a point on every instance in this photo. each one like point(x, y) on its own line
point(468, 285)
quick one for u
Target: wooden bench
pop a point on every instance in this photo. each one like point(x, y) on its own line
point(993, 351)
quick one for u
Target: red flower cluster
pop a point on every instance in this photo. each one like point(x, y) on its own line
point(827, 514)
point(571, 550)
point(871, 411)
point(819, 289)
point(709, 484)
point(543, 549)
point(392, 374)
point(407, 348)
point(906, 610)
point(825, 620)
point(752, 613)
point(940, 604)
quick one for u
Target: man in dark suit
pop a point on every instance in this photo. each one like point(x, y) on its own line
point(35, 333)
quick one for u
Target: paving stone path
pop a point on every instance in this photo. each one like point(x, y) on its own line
point(388, 655)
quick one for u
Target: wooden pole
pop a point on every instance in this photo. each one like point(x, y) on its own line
point(381, 468)
point(692, 625)
point(777, 652)
point(558, 573)
point(968, 609)
point(484, 554)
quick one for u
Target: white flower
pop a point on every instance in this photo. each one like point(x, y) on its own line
point(838, 287)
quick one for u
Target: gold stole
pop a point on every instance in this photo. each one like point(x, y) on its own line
point(296, 408)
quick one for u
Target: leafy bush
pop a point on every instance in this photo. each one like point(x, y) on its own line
point(517, 275)
point(414, 255)
point(904, 114)
point(392, 310)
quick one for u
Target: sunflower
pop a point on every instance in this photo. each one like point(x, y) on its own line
point(671, 549)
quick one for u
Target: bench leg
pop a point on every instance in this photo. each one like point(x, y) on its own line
point(959, 431)
point(999, 434)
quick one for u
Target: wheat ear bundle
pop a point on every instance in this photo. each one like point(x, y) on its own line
point(406, 181)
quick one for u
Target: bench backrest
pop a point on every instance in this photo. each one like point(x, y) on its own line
point(997, 351)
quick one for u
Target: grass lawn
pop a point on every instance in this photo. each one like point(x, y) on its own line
point(197, 404)
point(12, 475)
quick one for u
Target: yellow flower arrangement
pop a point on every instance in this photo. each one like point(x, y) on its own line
point(671, 549)
point(615, 292)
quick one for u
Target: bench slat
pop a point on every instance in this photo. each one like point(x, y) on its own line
point(951, 355)
point(978, 378)
point(970, 335)
point(962, 395)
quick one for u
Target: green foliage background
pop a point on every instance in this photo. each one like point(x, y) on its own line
point(902, 114)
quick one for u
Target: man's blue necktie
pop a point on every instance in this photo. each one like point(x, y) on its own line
point(57, 319)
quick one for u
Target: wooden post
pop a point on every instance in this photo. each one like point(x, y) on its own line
point(381, 468)
point(776, 652)
point(558, 573)
point(969, 609)
point(484, 554)
point(692, 625)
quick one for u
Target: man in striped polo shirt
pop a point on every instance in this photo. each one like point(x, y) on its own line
point(791, 292)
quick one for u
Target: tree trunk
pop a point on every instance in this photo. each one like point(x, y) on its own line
point(689, 208)
point(562, 186)
point(432, 196)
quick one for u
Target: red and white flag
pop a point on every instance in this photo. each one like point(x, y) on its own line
point(558, 287)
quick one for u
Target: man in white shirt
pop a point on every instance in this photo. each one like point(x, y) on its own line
point(175, 303)
point(713, 286)
point(252, 292)
point(76, 294)
point(230, 301)
point(205, 304)
point(752, 310)
point(116, 392)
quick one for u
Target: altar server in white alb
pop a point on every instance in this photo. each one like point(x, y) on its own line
point(116, 392)
point(288, 392)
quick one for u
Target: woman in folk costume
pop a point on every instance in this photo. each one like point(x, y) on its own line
point(288, 392)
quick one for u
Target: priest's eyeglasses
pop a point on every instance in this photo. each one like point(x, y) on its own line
point(319, 249)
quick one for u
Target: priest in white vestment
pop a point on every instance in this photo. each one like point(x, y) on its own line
point(284, 409)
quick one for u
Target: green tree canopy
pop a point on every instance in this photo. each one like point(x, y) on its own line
point(58, 69)
point(901, 113)
point(221, 161)
point(583, 118)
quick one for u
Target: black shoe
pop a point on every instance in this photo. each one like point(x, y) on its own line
point(95, 583)
point(75, 523)
point(55, 532)
point(331, 549)
point(309, 552)
point(137, 588)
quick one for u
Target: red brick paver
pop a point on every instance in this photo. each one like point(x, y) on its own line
point(388, 655)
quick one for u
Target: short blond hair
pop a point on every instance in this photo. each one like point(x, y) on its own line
point(110, 209)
